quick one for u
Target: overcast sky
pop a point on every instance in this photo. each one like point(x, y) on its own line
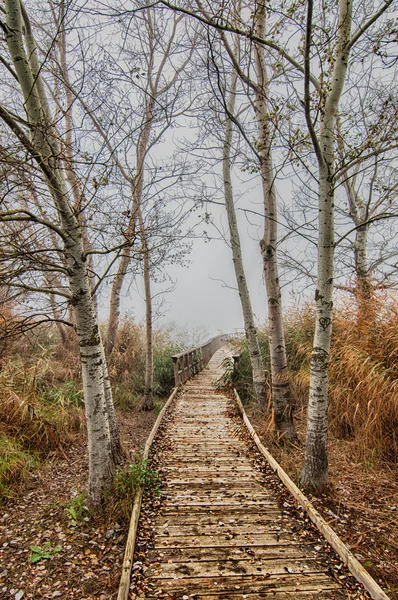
point(205, 294)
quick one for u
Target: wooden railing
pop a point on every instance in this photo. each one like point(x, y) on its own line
point(194, 360)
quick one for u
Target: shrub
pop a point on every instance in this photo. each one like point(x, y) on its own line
point(119, 499)
point(15, 464)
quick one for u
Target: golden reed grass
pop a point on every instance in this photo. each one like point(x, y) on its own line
point(363, 384)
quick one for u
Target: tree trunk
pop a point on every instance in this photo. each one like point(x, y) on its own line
point(114, 302)
point(315, 472)
point(256, 360)
point(282, 401)
point(101, 460)
point(147, 403)
point(359, 213)
point(45, 142)
point(116, 446)
point(364, 288)
point(136, 187)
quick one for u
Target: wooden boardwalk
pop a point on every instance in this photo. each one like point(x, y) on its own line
point(220, 531)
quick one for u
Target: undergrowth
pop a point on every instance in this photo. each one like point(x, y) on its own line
point(128, 480)
point(39, 414)
point(127, 364)
point(41, 398)
point(15, 464)
point(363, 384)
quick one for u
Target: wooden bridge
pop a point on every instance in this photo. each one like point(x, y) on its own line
point(225, 525)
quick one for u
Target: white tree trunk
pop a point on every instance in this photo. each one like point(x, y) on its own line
point(315, 472)
point(46, 144)
point(116, 446)
point(256, 360)
point(281, 395)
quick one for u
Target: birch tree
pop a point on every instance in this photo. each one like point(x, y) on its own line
point(315, 471)
point(256, 361)
point(37, 134)
point(258, 86)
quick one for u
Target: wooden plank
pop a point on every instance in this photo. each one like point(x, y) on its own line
point(223, 519)
point(227, 540)
point(124, 584)
point(209, 509)
point(223, 496)
point(283, 566)
point(345, 554)
point(319, 594)
point(201, 586)
point(222, 553)
point(241, 528)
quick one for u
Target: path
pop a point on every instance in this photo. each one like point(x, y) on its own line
point(220, 532)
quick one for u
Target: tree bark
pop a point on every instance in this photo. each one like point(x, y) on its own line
point(147, 403)
point(282, 401)
point(136, 194)
point(256, 360)
point(45, 142)
point(116, 445)
point(315, 472)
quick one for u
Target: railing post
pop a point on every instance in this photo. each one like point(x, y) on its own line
point(176, 374)
point(236, 358)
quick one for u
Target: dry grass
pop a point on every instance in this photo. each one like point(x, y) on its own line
point(39, 415)
point(363, 376)
point(127, 364)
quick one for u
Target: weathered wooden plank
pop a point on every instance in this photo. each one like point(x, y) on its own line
point(231, 567)
point(278, 595)
point(209, 541)
point(319, 594)
point(209, 468)
point(201, 586)
point(221, 509)
point(223, 529)
point(221, 553)
point(223, 519)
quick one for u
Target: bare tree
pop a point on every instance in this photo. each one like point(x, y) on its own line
point(315, 471)
point(38, 136)
point(256, 360)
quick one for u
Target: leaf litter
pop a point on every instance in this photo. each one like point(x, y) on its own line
point(44, 552)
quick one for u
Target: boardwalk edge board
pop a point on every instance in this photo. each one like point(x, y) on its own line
point(355, 567)
point(124, 586)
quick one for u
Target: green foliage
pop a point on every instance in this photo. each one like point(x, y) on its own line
point(15, 464)
point(127, 364)
point(119, 499)
point(163, 368)
point(77, 508)
point(242, 379)
point(64, 393)
point(44, 552)
point(139, 476)
point(230, 377)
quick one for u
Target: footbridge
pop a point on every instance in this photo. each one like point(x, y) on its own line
point(228, 522)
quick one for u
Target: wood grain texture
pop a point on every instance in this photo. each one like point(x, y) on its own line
point(220, 532)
